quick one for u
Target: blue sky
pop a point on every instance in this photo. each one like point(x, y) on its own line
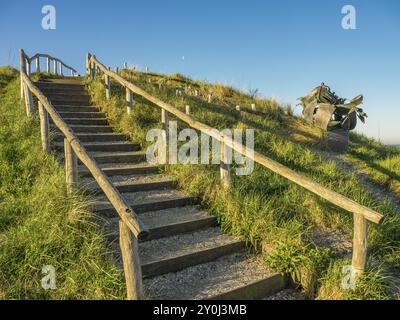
point(283, 48)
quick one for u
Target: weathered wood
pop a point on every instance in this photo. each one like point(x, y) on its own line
point(38, 64)
point(325, 193)
point(60, 68)
point(224, 166)
point(28, 67)
point(238, 108)
point(131, 262)
point(118, 202)
point(253, 107)
point(22, 70)
point(28, 101)
point(165, 125)
point(359, 244)
point(108, 86)
point(71, 166)
point(209, 98)
point(187, 110)
point(44, 127)
point(54, 66)
point(88, 70)
point(129, 100)
point(47, 64)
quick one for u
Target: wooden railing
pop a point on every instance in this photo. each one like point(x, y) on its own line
point(131, 227)
point(361, 214)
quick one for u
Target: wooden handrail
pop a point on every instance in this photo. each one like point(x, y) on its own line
point(130, 222)
point(307, 183)
point(43, 55)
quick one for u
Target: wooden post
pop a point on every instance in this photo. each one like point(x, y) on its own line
point(28, 101)
point(209, 98)
point(129, 100)
point(125, 65)
point(131, 262)
point(224, 167)
point(48, 65)
point(147, 69)
point(44, 127)
point(22, 70)
point(359, 244)
point(187, 110)
point(37, 64)
point(60, 68)
point(71, 166)
point(238, 108)
point(88, 56)
point(108, 86)
point(165, 125)
point(54, 66)
point(253, 107)
point(28, 67)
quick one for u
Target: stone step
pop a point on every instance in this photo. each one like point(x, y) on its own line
point(121, 169)
point(233, 277)
point(75, 109)
point(163, 223)
point(133, 183)
point(97, 137)
point(177, 252)
point(119, 157)
point(85, 115)
point(145, 201)
point(110, 146)
point(86, 121)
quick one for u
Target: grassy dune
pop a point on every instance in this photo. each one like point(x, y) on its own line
point(39, 224)
point(297, 232)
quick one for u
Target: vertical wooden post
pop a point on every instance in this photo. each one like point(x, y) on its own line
point(359, 244)
point(187, 109)
point(108, 86)
point(165, 125)
point(54, 66)
point(60, 68)
point(47, 64)
point(224, 166)
point(37, 64)
point(209, 98)
point(238, 108)
point(88, 55)
point(92, 70)
point(28, 101)
point(131, 262)
point(44, 127)
point(71, 166)
point(253, 106)
point(22, 70)
point(129, 100)
point(125, 65)
point(28, 67)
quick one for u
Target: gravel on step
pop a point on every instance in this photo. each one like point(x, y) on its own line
point(209, 279)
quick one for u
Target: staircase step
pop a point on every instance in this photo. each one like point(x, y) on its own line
point(75, 109)
point(236, 276)
point(49, 89)
point(86, 115)
point(119, 157)
point(167, 222)
point(72, 102)
point(133, 183)
point(145, 201)
point(121, 169)
point(177, 252)
point(115, 146)
point(89, 122)
point(91, 128)
point(67, 95)
point(98, 137)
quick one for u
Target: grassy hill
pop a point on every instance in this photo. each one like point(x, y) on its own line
point(296, 231)
point(39, 224)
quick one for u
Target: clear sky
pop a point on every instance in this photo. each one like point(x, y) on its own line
point(283, 48)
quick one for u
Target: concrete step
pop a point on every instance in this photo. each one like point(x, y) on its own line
point(86, 121)
point(145, 201)
point(167, 222)
point(119, 157)
point(111, 146)
point(76, 109)
point(133, 183)
point(85, 115)
point(121, 169)
point(177, 252)
point(97, 137)
point(233, 277)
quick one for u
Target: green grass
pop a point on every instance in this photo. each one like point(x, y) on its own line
point(39, 224)
point(271, 214)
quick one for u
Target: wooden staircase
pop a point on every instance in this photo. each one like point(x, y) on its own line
point(186, 255)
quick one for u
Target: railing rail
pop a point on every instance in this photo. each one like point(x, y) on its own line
point(360, 213)
point(130, 224)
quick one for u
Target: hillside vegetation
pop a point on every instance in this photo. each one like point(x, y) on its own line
point(297, 232)
point(39, 224)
